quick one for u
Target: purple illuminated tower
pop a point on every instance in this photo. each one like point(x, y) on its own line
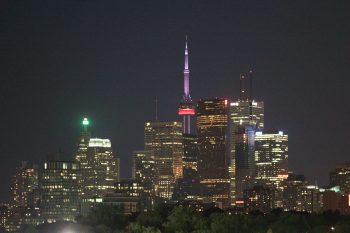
point(186, 107)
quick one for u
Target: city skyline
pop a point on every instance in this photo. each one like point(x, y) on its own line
point(112, 76)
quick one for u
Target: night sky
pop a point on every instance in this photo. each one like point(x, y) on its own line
point(109, 60)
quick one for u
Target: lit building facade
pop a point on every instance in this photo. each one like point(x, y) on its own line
point(24, 183)
point(308, 199)
point(292, 191)
point(60, 189)
point(246, 116)
point(190, 157)
point(99, 168)
point(102, 170)
point(129, 188)
point(332, 198)
point(81, 151)
point(258, 198)
point(165, 141)
point(143, 166)
point(341, 177)
point(213, 159)
point(271, 161)
point(4, 215)
point(188, 186)
point(143, 171)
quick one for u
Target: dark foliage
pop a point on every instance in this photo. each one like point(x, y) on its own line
point(169, 219)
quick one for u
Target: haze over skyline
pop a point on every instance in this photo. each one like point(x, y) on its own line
point(63, 60)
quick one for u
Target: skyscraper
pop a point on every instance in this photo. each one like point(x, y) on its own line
point(242, 164)
point(143, 165)
point(213, 160)
point(165, 141)
point(60, 189)
point(83, 144)
point(271, 161)
point(102, 171)
point(190, 158)
point(99, 168)
point(23, 184)
point(143, 171)
point(293, 187)
point(186, 107)
point(246, 116)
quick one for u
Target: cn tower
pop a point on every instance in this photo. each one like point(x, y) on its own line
point(186, 107)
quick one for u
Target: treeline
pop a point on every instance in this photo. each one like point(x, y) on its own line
point(182, 220)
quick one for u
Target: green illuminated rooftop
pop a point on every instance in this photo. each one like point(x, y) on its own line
point(86, 121)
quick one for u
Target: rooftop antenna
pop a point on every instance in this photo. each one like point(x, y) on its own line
point(251, 84)
point(241, 86)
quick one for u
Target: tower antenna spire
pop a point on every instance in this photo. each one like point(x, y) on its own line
point(251, 94)
point(241, 86)
point(186, 74)
point(186, 107)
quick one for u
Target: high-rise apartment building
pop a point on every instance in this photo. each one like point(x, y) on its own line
point(165, 141)
point(24, 183)
point(60, 189)
point(271, 161)
point(213, 159)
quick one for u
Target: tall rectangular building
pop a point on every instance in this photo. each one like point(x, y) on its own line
point(293, 188)
point(246, 116)
point(99, 168)
point(213, 159)
point(23, 184)
point(271, 161)
point(190, 157)
point(165, 141)
point(102, 170)
point(188, 186)
point(60, 189)
point(143, 171)
point(83, 144)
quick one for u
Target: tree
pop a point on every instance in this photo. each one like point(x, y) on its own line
point(137, 228)
point(102, 229)
point(30, 229)
point(183, 219)
point(110, 216)
point(341, 227)
point(237, 223)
